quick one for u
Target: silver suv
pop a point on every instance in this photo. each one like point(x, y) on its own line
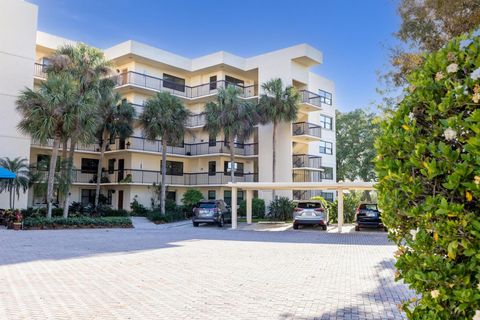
point(211, 211)
point(310, 212)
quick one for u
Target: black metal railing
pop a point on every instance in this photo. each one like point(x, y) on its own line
point(307, 176)
point(194, 120)
point(186, 149)
point(159, 84)
point(306, 128)
point(187, 179)
point(306, 161)
point(39, 70)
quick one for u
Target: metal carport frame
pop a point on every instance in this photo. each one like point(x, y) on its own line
point(249, 187)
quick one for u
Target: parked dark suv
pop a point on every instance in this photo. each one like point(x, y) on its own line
point(211, 211)
point(368, 216)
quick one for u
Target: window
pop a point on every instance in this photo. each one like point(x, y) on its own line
point(89, 165)
point(327, 196)
point(325, 97)
point(238, 168)
point(326, 147)
point(234, 81)
point(172, 195)
point(172, 82)
point(212, 168)
point(88, 196)
point(327, 173)
point(43, 162)
point(212, 140)
point(174, 168)
point(212, 194)
point(227, 197)
point(213, 82)
point(326, 122)
point(111, 166)
point(109, 196)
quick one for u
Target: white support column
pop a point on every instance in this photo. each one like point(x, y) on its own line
point(249, 206)
point(234, 207)
point(340, 210)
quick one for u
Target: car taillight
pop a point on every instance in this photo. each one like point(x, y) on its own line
point(358, 211)
point(319, 210)
point(297, 209)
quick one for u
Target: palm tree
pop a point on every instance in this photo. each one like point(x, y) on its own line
point(115, 119)
point(88, 66)
point(165, 117)
point(20, 182)
point(232, 116)
point(277, 104)
point(45, 114)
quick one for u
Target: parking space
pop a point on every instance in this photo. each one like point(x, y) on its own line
point(176, 271)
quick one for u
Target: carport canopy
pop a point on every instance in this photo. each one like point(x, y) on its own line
point(249, 187)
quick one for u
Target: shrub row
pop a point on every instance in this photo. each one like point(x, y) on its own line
point(76, 222)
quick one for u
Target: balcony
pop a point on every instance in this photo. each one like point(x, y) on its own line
point(132, 78)
point(302, 161)
point(39, 71)
point(309, 101)
point(186, 149)
point(194, 121)
point(304, 132)
point(307, 176)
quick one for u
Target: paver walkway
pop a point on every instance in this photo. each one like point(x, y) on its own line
point(180, 272)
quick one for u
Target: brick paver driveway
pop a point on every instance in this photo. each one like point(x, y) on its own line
point(181, 272)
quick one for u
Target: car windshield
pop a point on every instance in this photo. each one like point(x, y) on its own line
point(368, 206)
point(309, 205)
point(206, 205)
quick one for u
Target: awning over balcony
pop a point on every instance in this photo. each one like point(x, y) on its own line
point(5, 174)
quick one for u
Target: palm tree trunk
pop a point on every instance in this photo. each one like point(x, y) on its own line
point(274, 155)
point(163, 190)
point(51, 174)
point(99, 170)
point(232, 159)
point(11, 197)
point(13, 193)
point(71, 153)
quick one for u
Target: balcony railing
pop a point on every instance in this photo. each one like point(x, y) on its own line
point(39, 70)
point(306, 161)
point(306, 128)
point(195, 120)
point(159, 84)
point(186, 149)
point(307, 176)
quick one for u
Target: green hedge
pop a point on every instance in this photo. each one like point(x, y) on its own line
point(157, 217)
point(77, 222)
point(428, 165)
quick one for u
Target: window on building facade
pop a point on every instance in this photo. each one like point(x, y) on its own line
point(325, 97)
point(326, 122)
point(327, 196)
point(88, 196)
point(327, 173)
point(238, 168)
point(227, 197)
point(234, 81)
point(212, 195)
point(174, 168)
point(43, 161)
point(326, 147)
point(172, 82)
point(212, 140)
point(212, 168)
point(213, 82)
point(111, 166)
point(89, 165)
point(171, 195)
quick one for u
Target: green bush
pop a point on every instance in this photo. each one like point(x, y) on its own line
point(258, 208)
point(428, 165)
point(76, 222)
point(350, 204)
point(281, 209)
point(190, 198)
point(137, 208)
point(157, 217)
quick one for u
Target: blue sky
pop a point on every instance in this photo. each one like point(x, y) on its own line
point(352, 34)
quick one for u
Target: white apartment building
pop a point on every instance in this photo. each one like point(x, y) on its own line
point(305, 148)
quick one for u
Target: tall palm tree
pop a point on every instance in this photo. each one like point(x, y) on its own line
point(277, 104)
point(164, 116)
point(45, 114)
point(88, 66)
point(20, 182)
point(232, 116)
point(115, 119)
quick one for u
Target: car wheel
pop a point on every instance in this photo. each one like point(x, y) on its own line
point(195, 224)
point(221, 223)
point(357, 228)
point(295, 226)
point(324, 228)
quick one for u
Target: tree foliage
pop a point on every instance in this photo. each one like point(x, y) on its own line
point(356, 132)
point(428, 166)
point(21, 182)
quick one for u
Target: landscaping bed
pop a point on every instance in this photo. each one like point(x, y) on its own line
point(40, 223)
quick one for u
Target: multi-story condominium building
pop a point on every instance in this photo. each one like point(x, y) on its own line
point(131, 169)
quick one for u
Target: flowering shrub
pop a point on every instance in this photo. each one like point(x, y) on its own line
point(428, 165)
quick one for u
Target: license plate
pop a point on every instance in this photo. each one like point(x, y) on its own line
point(371, 214)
